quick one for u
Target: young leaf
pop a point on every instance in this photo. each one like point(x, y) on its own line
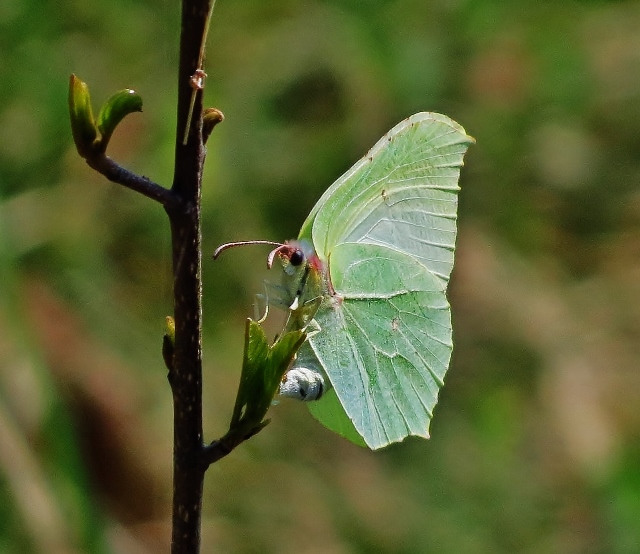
point(113, 111)
point(83, 126)
point(262, 370)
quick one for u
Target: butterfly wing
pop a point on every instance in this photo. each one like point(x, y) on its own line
point(386, 346)
point(403, 193)
point(387, 229)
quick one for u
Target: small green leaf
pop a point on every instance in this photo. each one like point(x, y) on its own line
point(262, 370)
point(281, 354)
point(256, 354)
point(114, 110)
point(83, 125)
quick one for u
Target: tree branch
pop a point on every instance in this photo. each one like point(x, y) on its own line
point(115, 172)
point(222, 447)
point(182, 344)
point(185, 376)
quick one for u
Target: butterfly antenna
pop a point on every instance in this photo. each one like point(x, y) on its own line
point(228, 245)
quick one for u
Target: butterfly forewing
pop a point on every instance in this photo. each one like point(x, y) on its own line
point(403, 193)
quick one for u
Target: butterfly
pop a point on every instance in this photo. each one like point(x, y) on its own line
point(367, 279)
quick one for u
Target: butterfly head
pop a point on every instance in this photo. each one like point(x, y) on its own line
point(295, 255)
point(304, 278)
point(303, 275)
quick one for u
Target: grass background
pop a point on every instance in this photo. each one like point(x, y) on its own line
point(534, 444)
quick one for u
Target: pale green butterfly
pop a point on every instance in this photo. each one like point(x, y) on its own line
point(367, 278)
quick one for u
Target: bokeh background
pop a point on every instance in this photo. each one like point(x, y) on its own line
point(535, 442)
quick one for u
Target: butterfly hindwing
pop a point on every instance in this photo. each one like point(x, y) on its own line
point(385, 345)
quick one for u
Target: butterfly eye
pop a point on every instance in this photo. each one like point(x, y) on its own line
point(297, 257)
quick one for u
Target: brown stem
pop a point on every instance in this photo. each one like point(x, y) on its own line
point(222, 447)
point(186, 374)
point(114, 172)
point(183, 355)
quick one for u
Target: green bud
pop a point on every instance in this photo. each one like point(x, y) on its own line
point(113, 111)
point(169, 342)
point(170, 329)
point(83, 126)
point(210, 118)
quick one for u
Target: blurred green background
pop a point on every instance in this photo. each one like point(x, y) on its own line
point(535, 442)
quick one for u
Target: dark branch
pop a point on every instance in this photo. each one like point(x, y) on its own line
point(114, 172)
point(220, 448)
point(217, 450)
point(186, 372)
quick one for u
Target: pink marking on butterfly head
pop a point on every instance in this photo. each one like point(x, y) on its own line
point(315, 262)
